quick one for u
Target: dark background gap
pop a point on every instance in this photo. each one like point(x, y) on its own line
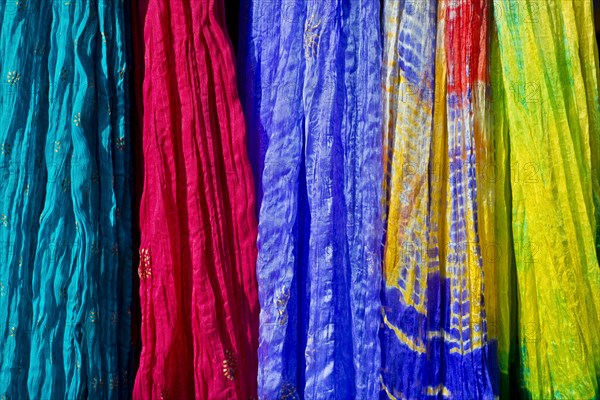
point(232, 14)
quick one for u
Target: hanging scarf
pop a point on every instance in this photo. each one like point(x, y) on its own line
point(65, 201)
point(310, 78)
point(439, 303)
point(549, 113)
point(198, 230)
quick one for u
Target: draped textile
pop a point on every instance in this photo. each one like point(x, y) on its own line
point(198, 229)
point(310, 87)
point(548, 111)
point(505, 277)
point(65, 247)
point(439, 299)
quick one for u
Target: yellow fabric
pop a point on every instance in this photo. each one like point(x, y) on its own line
point(502, 250)
point(549, 80)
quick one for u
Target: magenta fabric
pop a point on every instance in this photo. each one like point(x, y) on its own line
point(198, 230)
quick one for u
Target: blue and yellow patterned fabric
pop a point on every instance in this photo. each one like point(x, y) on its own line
point(439, 298)
point(65, 231)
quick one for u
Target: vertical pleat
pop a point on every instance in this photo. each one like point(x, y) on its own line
point(198, 230)
point(72, 192)
point(309, 82)
point(439, 337)
point(549, 76)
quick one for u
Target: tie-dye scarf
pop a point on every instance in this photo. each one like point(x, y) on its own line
point(439, 297)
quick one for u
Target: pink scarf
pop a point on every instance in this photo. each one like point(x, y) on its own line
point(198, 229)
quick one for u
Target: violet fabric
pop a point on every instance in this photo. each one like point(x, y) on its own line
point(310, 86)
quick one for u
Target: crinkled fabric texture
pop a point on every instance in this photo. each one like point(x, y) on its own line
point(198, 229)
point(65, 269)
point(505, 275)
point(548, 73)
point(310, 86)
point(439, 296)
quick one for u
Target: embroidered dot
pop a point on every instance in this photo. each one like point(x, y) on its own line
point(164, 394)
point(13, 77)
point(103, 37)
point(64, 74)
point(12, 331)
point(77, 119)
point(288, 392)
point(57, 146)
point(65, 185)
point(120, 143)
point(63, 293)
point(19, 369)
point(39, 50)
point(93, 317)
point(21, 5)
point(145, 268)
point(230, 365)
point(113, 383)
point(122, 73)
point(282, 299)
point(5, 149)
point(4, 220)
point(311, 38)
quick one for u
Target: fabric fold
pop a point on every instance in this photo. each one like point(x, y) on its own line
point(549, 78)
point(65, 201)
point(198, 230)
point(439, 300)
point(309, 82)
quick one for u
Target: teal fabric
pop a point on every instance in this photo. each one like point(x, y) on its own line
point(65, 220)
